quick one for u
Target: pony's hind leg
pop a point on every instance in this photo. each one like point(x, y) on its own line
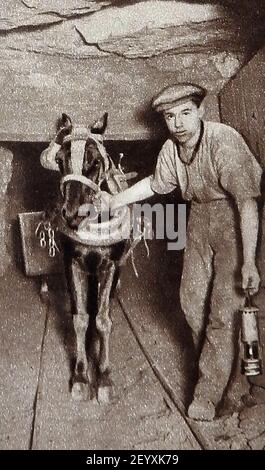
point(82, 378)
point(103, 325)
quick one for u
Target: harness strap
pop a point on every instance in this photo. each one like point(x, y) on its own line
point(82, 134)
point(81, 179)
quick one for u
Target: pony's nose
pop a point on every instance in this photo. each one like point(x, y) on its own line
point(71, 219)
point(67, 215)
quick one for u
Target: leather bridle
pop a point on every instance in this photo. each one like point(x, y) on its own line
point(80, 136)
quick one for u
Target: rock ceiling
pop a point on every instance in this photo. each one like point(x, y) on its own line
point(86, 57)
point(82, 29)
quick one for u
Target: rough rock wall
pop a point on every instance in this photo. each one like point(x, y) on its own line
point(38, 88)
point(6, 168)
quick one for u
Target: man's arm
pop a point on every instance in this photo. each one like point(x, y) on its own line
point(106, 202)
point(137, 192)
point(249, 230)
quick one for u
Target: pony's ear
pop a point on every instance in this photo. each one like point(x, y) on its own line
point(99, 126)
point(64, 127)
point(64, 122)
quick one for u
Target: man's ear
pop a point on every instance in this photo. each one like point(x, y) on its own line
point(201, 110)
point(99, 126)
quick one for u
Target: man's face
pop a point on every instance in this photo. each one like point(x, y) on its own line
point(183, 120)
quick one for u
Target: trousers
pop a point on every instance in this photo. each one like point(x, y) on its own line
point(211, 294)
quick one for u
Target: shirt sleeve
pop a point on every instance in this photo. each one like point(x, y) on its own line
point(164, 179)
point(238, 170)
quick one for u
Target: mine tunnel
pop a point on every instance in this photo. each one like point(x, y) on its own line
point(84, 64)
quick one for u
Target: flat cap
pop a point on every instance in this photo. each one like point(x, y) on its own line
point(170, 95)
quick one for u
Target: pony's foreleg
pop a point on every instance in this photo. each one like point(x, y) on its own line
point(82, 374)
point(103, 324)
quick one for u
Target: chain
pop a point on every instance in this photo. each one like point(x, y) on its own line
point(46, 235)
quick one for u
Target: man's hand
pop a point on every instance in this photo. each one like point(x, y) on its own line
point(101, 203)
point(250, 278)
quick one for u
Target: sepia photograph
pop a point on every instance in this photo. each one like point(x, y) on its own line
point(132, 274)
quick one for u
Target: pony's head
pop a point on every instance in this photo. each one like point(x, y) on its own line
point(83, 163)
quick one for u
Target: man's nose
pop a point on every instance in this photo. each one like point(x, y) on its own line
point(177, 122)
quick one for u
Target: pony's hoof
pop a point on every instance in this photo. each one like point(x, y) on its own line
point(80, 391)
point(104, 395)
point(105, 387)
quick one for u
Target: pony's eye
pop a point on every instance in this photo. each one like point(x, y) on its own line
point(59, 157)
